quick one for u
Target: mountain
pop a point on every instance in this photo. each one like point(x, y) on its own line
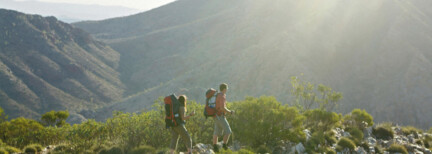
point(46, 64)
point(377, 53)
point(68, 12)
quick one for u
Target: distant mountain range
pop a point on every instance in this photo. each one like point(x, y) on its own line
point(46, 64)
point(67, 12)
point(377, 53)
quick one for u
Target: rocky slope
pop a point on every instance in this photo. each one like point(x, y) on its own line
point(46, 64)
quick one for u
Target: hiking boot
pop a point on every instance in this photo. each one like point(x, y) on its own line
point(215, 148)
point(225, 146)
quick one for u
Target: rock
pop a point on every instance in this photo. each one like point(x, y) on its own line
point(398, 130)
point(308, 134)
point(361, 150)
point(417, 151)
point(371, 149)
point(367, 132)
point(411, 138)
point(203, 148)
point(427, 151)
point(299, 148)
point(346, 134)
point(371, 141)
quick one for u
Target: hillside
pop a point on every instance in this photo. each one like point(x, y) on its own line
point(376, 53)
point(46, 64)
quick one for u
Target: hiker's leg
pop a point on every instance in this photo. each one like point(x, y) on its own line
point(217, 131)
point(185, 137)
point(215, 139)
point(174, 140)
point(226, 130)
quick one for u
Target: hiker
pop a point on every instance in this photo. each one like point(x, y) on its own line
point(221, 126)
point(180, 130)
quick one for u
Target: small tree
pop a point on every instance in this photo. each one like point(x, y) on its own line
point(3, 116)
point(54, 118)
point(307, 95)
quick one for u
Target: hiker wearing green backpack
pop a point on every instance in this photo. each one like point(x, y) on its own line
point(180, 129)
point(222, 126)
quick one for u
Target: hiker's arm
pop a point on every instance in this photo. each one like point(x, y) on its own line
point(226, 110)
point(186, 117)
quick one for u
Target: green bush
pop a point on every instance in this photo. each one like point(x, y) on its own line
point(395, 148)
point(358, 116)
point(143, 149)
point(244, 151)
point(263, 149)
point(30, 150)
point(61, 147)
point(407, 130)
point(112, 150)
point(346, 143)
point(385, 133)
point(330, 151)
point(356, 135)
point(378, 150)
point(38, 147)
point(269, 116)
point(12, 149)
point(3, 151)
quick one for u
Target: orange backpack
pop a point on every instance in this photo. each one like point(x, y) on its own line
point(210, 107)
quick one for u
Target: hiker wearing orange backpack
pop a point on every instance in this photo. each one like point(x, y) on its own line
point(222, 126)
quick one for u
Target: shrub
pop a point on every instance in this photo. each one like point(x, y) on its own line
point(356, 135)
point(244, 151)
point(263, 149)
point(98, 147)
point(346, 143)
point(112, 150)
point(378, 150)
point(385, 133)
point(407, 130)
point(395, 148)
point(365, 146)
point(12, 149)
point(30, 149)
point(330, 151)
point(3, 151)
point(61, 147)
point(38, 147)
point(143, 149)
point(358, 116)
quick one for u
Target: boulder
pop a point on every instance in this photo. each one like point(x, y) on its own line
point(203, 148)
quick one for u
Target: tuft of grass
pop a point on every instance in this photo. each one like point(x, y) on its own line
point(407, 130)
point(143, 149)
point(384, 133)
point(112, 150)
point(395, 148)
point(30, 149)
point(244, 151)
point(346, 143)
point(38, 147)
point(12, 149)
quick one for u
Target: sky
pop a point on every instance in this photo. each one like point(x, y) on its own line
point(78, 10)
